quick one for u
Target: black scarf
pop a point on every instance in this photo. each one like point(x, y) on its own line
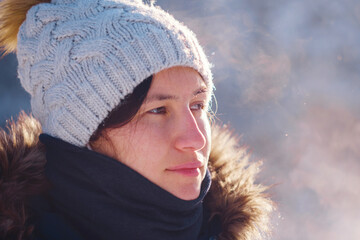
point(104, 199)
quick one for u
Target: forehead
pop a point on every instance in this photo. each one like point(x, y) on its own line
point(180, 80)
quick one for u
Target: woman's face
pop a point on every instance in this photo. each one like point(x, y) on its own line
point(168, 141)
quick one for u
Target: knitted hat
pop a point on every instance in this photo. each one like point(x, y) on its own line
point(79, 58)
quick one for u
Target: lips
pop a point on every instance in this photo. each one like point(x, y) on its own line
point(190, 169)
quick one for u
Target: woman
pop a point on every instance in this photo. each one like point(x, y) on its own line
point(121, 91)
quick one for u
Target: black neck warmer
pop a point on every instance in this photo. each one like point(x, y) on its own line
point(104, 199)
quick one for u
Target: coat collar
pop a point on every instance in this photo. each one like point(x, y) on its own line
point(241, 205)
point(244, 207)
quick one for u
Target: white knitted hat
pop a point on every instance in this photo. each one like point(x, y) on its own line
point(79, 58)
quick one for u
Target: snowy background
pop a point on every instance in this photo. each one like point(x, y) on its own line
point(287, 74)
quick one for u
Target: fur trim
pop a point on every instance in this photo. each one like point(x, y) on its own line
point(22, 161)
point(242, 205)
point(12, 15)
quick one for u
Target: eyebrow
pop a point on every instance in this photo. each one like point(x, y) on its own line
point(162, 97)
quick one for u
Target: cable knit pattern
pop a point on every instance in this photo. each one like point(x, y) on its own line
point(79, 58)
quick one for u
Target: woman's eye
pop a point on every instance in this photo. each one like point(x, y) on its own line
point(159, 110)
point(198, 106)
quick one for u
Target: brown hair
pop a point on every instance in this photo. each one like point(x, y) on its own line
point(124, 112)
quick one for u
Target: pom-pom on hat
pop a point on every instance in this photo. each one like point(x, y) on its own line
point(79, 58)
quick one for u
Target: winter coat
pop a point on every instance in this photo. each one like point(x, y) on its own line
point(242, 207)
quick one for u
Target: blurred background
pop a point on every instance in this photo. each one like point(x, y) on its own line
point(287, 75)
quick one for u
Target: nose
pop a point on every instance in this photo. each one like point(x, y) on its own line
point(188, 135)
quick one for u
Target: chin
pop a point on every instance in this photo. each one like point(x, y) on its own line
point(188, 192)
point(190, 197)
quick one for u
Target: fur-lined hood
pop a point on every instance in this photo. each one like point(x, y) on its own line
point(242, 205)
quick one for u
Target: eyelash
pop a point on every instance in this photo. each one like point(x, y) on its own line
point(163, 110)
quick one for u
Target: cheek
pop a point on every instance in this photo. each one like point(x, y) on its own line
point(205, 128)
point(141, 146)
